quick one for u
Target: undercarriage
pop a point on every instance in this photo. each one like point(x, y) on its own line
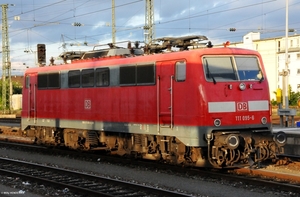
point(223, 149)
point(226, 149)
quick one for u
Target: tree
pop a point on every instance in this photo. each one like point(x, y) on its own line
point(293, 97)
point(16, 89)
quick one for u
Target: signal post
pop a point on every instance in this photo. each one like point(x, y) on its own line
point(41, 54)
point(285, 74)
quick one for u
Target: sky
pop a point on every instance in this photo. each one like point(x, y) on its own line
point(51, 22)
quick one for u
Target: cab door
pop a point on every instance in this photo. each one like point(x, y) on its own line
point(165, 80)
point(31, 85)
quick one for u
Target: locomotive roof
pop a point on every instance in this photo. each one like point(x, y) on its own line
point(120, 59)
point(163, 44)
point(113, 55)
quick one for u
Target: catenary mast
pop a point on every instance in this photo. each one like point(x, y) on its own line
point(113, 21)
point(149, 30)
point(6, 64)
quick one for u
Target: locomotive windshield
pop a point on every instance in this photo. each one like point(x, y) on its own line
point(229, 68)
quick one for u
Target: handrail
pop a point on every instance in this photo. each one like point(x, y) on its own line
point(158, 103)
point(171, 107)
point(29, 107)
point(34, 103)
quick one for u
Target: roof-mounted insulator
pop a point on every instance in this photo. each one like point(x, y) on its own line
point(209, 44)
point(226, 44)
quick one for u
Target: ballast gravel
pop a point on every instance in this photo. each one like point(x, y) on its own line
point(194, 186)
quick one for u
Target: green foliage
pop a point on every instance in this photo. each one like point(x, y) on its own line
point(274, 102)
point(293, 98)
point(16, 89)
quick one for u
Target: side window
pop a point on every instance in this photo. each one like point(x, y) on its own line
point(27, 81)
point(53, 80)
point(48, 80)
point(102, 77)
point(42, 81)
point(87, 77)
point(74, 79)
point(137, 75)
point(180, 71)
point(127, 75)
point(145, 74)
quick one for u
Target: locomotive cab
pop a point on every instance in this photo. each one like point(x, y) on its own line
point(238, 110)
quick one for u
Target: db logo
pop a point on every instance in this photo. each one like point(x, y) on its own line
point(242, 106)
point(87, 104)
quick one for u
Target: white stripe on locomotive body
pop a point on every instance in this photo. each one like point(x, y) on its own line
point(231, 106)
point(188, 135)
point(258, 105)
point(220, 107)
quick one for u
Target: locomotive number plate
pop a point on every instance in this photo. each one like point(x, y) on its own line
point(244, 118)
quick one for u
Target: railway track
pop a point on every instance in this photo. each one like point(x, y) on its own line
point(81, 183)
point(253, 177)
point(271, 183)
point(16, 120)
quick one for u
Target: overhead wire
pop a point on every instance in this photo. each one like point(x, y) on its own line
point(35, 9)
point(212, 13)
point(160, 23)
point(59, 21)
point(57, 18)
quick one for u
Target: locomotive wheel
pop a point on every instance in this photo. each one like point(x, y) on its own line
point(234, 157)
point(272, 149)
point(152, 148)
point(221, 157)
point(263, 153)
point(237, 156)
point(230, 157)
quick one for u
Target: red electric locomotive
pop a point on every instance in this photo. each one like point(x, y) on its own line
point(202, 107)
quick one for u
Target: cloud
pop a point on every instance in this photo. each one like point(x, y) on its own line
point(100, 24)
point(136, 21)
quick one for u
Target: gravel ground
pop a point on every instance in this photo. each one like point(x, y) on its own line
point(192, 185)
point(6, 191)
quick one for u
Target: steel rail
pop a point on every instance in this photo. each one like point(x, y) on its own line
point(78, 182)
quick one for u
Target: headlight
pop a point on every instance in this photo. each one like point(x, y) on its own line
point(217, 122)
point(264, 120)
point(242, 86)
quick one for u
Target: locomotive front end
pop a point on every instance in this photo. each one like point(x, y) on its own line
point(239, 110)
